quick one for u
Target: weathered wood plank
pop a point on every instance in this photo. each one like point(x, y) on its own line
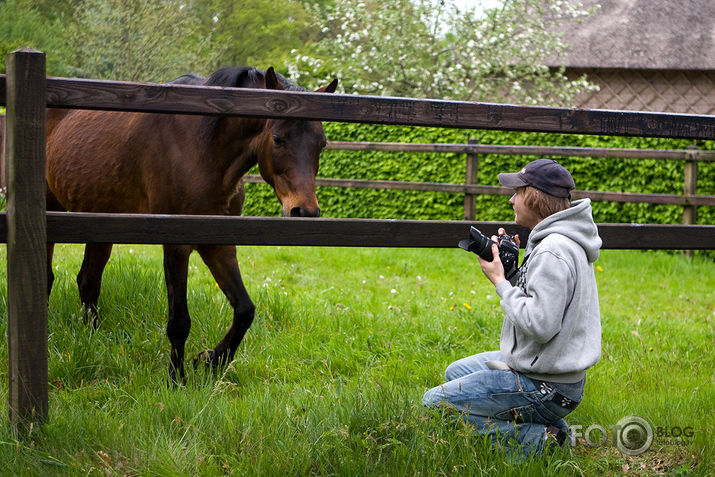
point(671, 199)
point(177, 229)
point(633, 197)
point(471, 177)
point(26, 238)
point(690, 187)
point(666, 154)
point(116, 95)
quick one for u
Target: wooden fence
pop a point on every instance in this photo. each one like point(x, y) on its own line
point(690, 199)
point(26, 227)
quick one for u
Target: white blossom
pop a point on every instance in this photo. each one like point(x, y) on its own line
point(411, 48)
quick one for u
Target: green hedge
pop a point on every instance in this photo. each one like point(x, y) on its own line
point(613, 175)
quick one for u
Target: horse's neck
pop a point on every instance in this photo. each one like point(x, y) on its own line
point(234, 145)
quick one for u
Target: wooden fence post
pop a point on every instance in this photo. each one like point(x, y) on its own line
point(690, 187)
point(472, 173)
point(26, 238)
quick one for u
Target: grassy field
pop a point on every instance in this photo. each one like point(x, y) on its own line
point(329, 379)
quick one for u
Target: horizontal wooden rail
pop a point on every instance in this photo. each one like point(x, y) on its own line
point(671, 199)
point(672, 154)
point(186, 99)
point(183, 229)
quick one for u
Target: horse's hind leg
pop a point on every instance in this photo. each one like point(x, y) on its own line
point(89, 279)
point(52, 205)
point(176, 268)
point(50, 273)
point(222, 262)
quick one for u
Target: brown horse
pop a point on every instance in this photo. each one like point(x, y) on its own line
point(121, 162)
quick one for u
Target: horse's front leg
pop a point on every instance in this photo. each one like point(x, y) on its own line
point(89, 279)
point(222, 262)
point(176, 267)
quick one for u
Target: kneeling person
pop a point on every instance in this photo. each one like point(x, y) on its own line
point(551, 332)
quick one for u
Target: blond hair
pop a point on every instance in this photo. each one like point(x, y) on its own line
point(541, 203)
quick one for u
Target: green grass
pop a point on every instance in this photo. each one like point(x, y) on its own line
point(329, 378)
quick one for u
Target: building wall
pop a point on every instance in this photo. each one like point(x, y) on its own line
point(691, 92)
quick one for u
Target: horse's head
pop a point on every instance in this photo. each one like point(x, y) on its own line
point(290, 162)
point(287, 149)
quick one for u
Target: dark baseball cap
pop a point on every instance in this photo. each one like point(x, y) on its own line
point(546, 175)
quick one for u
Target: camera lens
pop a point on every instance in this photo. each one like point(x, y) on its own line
point(482, 244)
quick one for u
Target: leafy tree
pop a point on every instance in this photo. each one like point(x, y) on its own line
point(258, 33)
point(421, 48)
point(140, 40)
point(21, 26)
point(157, 40)
point(320, 5)
point(52, 10)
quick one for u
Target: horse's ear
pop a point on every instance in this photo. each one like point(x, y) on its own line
point(330, 88)
point(272, 80)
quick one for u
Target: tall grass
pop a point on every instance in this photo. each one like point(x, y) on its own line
point(329, 378)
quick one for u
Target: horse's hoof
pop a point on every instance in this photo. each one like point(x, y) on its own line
point(206, 357)
point(174, 383)
point(91, 316)
point(177, 377)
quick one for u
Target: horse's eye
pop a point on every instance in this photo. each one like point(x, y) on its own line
point(277, 140)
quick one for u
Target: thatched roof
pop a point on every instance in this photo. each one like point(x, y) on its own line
point(644, 34)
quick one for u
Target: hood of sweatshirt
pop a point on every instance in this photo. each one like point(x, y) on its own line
point(576, 223)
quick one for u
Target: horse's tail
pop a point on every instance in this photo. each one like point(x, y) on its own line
point(54, 116)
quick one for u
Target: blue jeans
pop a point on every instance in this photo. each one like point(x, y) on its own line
point(500, 403)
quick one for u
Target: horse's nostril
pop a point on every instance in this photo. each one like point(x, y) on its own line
point(303, 212)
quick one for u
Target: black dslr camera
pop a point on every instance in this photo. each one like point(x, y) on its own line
point(482, 245)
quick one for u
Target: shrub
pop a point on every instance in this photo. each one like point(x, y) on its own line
point(602, 174)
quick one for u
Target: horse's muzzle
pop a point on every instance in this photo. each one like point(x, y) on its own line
point(305, 212)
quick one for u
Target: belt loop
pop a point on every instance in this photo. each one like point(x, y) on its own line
point(518, 381)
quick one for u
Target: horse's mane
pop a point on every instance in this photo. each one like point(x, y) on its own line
point(235, 77)
point(287, 85)
point(190, 78)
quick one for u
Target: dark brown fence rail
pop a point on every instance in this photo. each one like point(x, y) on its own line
point(683, 154)
point(185, 99)
point(200, 230)
point(673, 199)
point(27, 227)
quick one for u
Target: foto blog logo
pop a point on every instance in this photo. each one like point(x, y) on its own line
point(632, 435)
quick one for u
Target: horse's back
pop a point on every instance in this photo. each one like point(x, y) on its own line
point(123, 162)
point(105, 161)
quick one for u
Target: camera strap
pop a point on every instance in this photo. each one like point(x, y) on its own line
point(526, 257)
point(521, 277)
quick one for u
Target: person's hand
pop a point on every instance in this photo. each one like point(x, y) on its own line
point(502, 232)
point(493, 270)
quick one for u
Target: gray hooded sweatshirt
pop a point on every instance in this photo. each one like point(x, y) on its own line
point(552, 327)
